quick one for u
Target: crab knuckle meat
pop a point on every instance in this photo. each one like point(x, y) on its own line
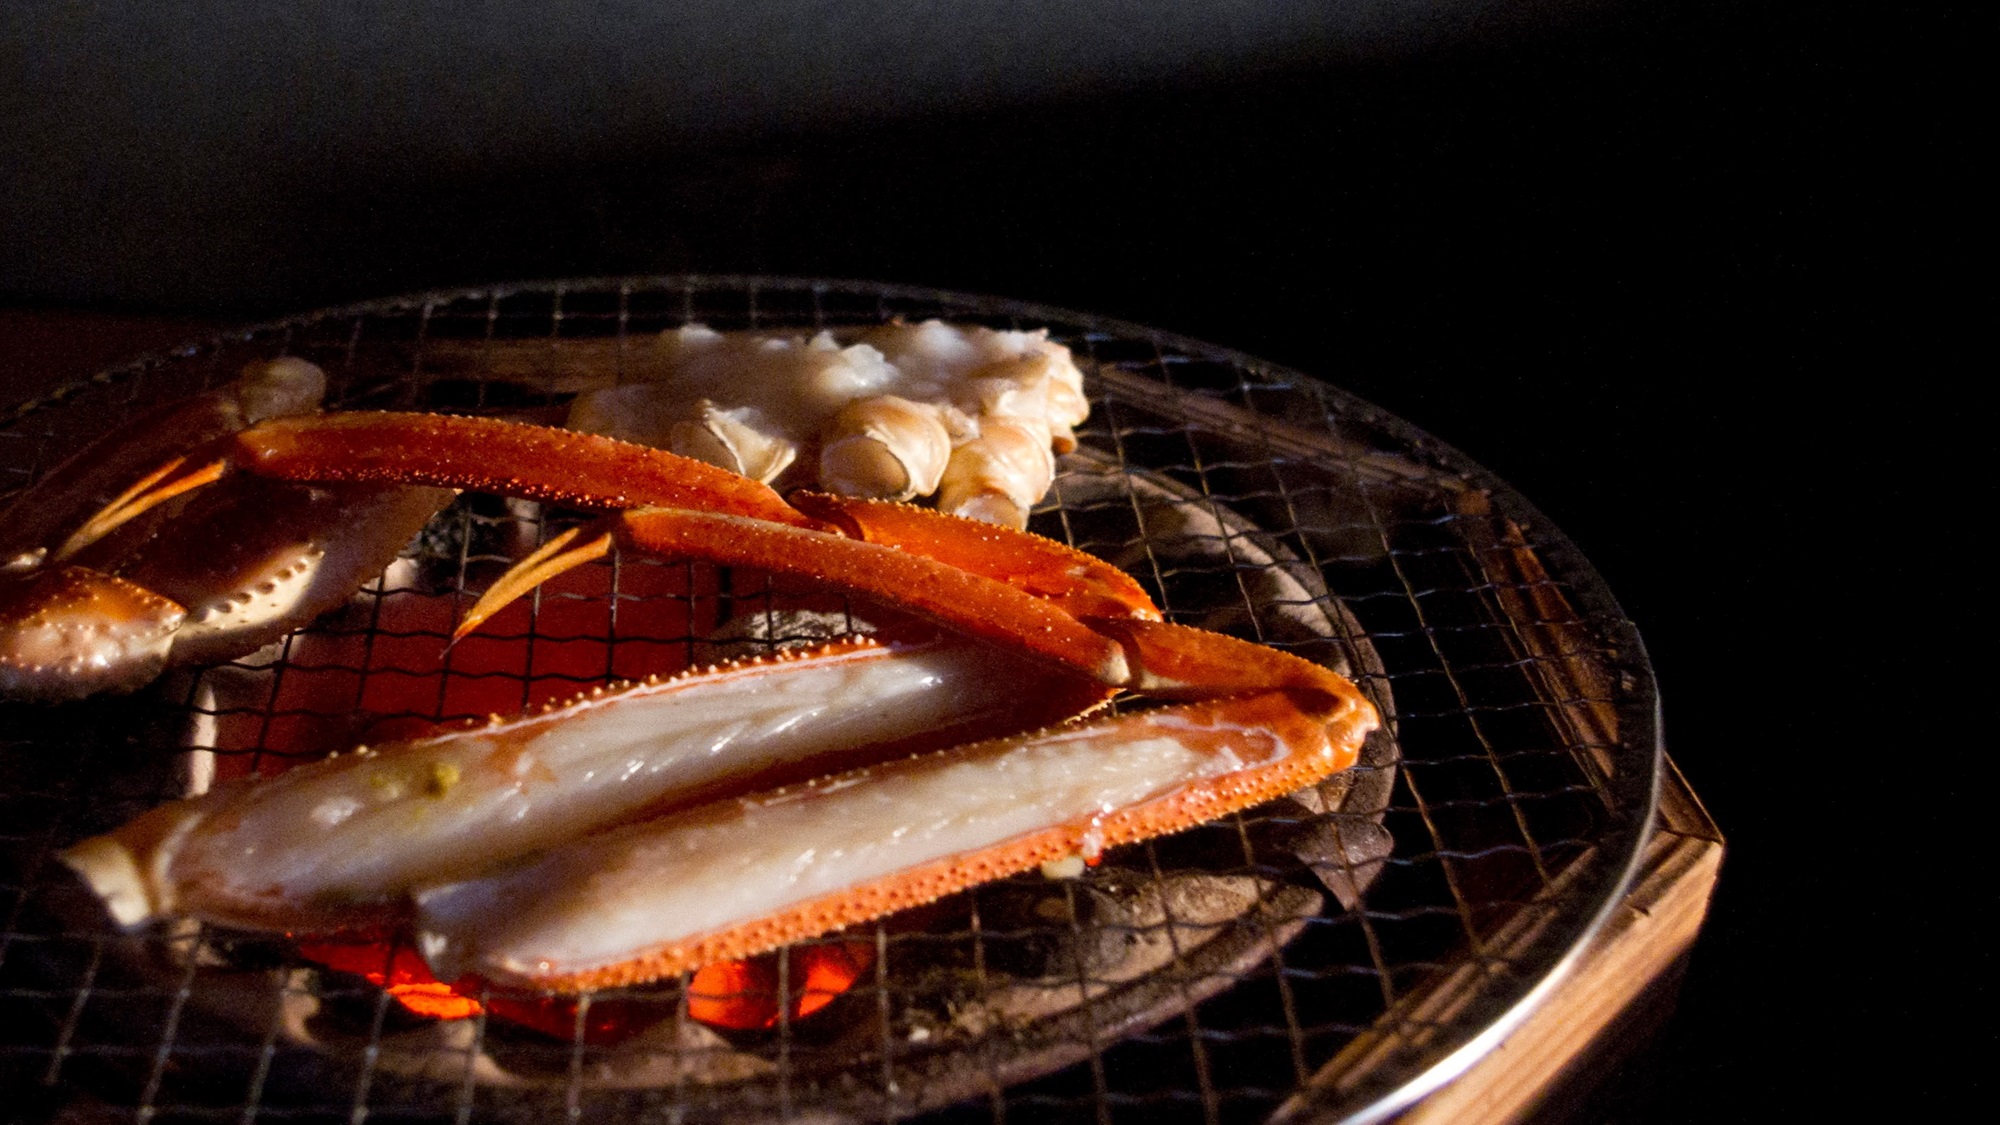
point(886, 447)
point(880, 416)
point(999, 476)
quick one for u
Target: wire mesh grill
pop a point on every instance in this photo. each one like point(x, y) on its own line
point(1330, 956)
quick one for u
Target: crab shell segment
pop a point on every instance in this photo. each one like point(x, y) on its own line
point(72, 631)
point(137, 554)
point(734, 878)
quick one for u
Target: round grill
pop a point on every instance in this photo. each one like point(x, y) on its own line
point(1333, 955)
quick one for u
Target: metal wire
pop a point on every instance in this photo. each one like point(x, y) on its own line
point(1235, 491)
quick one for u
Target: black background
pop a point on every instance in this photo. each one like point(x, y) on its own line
point(1682, 273)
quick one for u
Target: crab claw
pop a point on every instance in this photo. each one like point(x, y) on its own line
point(72, 632)
point(149, 550)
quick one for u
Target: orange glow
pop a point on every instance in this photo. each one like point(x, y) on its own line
point(435, 1000)
point(738, 995)
point(335, 681)
point(398, 971)
point(743, 995)
point(734, 994)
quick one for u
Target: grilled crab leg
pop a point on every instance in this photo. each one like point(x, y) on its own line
point(342, 841)
point(587, 471)
point(739, 876)
point(1022, 591)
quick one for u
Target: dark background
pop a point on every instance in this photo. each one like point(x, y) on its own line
point(1683, 272)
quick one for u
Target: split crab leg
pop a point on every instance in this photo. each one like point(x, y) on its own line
point(736, 877)
point(341, 842)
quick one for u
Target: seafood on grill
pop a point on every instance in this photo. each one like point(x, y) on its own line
point(969, 414)
point(605, 883)
point(343, 841)
point(124, 561)
point(653, 899)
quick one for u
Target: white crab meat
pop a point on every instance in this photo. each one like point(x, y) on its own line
point(340, 841)
point(971, 414)
point(651, 892)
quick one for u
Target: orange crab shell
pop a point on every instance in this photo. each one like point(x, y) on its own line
point(1332, 745)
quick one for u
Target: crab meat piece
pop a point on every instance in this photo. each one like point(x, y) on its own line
point(885, 446)
point(339, 842)
point(735, 877)
point(902, 412)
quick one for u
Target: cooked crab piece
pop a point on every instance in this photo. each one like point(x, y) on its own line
point(968, 413)
point(61, 502)
point(1254, 722)
point(739, 876)
point(117, 572)
point(339, 842)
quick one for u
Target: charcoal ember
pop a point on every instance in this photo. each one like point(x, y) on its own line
point(473, 541)
point(1341, 835)
point(755, 633)
point(1045, 929)
point(1346, 852)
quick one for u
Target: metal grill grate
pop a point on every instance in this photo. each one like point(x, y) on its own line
point(1333, 956)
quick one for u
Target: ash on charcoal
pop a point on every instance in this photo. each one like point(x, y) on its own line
point(472, 542)
point(1052, 929)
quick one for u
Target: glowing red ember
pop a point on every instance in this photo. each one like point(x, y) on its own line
point(743, 995)
point(398, 971)
point(737, 995)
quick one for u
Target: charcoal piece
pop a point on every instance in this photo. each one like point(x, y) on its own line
point(485, 535)
point(1052, 929)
